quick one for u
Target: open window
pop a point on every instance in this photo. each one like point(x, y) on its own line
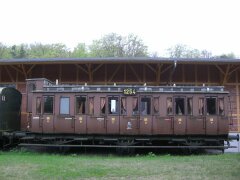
point(102, 105)
point(201, 106)
point(64, 105)
point(179, 106)
point(169, 106)
point(190, 106)
point(135, 106)
point(38, 105)
point(211, 106)
point(123, 106)
point(113, 105)
point(221, 106)
point(156, 105)
point(91, 105)
point(81, 105)
point(145, 106)
point(48, 105)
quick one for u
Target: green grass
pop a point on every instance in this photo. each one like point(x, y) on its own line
point(29, 165)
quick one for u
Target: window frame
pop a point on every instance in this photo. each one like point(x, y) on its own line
point(175, 105)
point(109, 98)
point(65, 97)
point(167, 111)
point(53, 102)
point(136, 104)
point(153, 105)
point(218, 106)
point(150, 110)
point(86, 103)
point(192, 110)
point(206, 105)
point(41, 104)
point(89, 109)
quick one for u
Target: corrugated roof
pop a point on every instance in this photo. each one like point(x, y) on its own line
point(117, 60)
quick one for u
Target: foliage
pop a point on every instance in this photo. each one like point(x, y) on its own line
point(183, 51)
point(110, 45)
point(114, 45)
point(27, 165)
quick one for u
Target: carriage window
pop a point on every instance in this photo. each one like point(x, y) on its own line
point(81, 105)
point(135, 106)
point(200, 106)
point(190, 106)
point(48, 105)
point(103, 105)
point(64, 105)
point(38, 105)
point(145, 106)
point(221, 106)
point(169, 106)
point(179, 106)
point(123, 105)
point(91, 105)
point(156, 105)
point(211, 106)
point(113, 105)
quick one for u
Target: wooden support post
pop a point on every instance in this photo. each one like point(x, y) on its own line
point(105, 78)
point(135, 73)
point(77, 75)
point(183, 74)
point(208, 74)
point(60, 73)
point(125, 73)
point(9, 74)
point(158, 78)
point(238, 99)
point(144, 73)
point(195, 74)
point(115, 72)
point(90, 73)
point(226, 75)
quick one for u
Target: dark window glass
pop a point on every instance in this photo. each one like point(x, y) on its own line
point(135, 106)
point(81, 105)
point(169, 106)
point(190, 106)
point(113, 107)
point(123, 105)
point(145, 106)
point(179, 106)
point(48, 105)
point(211, 106)
point(103, 105)
point(38, 105)
point(221, 106)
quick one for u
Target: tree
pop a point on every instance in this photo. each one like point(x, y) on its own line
point(4, 52)
point(80, 51)
point(19, 51)
point(183, 51)
point(227, 56)
point(114, 45)
point(39, 50)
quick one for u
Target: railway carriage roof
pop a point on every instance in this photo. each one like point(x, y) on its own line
point(132, 89)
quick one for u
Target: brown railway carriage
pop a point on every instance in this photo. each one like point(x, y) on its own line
point(184, 115)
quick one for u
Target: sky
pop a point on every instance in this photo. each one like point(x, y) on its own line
point(213, 25)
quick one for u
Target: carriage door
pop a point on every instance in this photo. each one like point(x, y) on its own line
point(145, 115)
point(113, 115)
point(129, 120)
point(195, 115)
point(80, 114)
point(48, 114)
point(36, 122)
point(64, 121)
point(211, 116)
point(96, 122)
point(180, 115)
point(222, 116)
